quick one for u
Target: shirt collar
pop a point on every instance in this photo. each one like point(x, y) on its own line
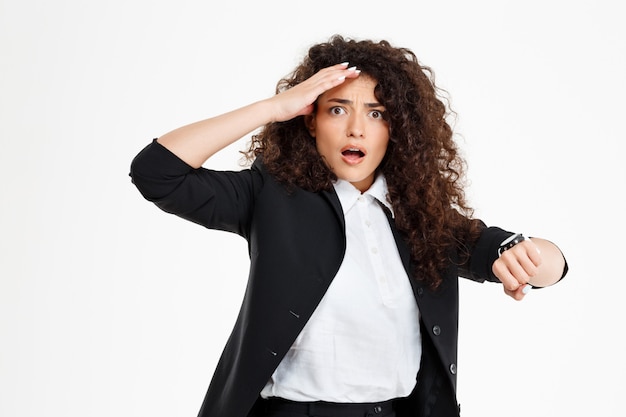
point(348, 193)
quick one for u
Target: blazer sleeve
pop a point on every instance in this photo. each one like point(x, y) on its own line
point(221, 200)
point(483, 254)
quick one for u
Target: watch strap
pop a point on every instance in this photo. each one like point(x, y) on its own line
point(509, 242)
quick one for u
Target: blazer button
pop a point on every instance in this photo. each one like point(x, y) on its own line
point(453, 369)
point(420, 292)
point(436, 330)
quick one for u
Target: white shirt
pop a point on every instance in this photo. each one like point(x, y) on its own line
point(363, 342)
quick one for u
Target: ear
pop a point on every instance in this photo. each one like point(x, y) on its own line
point(309, 121)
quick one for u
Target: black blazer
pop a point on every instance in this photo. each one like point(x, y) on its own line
point(296, 243)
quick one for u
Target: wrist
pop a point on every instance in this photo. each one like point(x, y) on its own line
point(509, 242)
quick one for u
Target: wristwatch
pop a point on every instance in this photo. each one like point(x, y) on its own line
point(509, 242)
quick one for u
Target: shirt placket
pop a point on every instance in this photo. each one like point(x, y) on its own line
point(366, 208)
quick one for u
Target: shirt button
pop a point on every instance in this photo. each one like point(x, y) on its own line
point(374, 250)
point(368, 223)
point(453, 369)
point(436, 330)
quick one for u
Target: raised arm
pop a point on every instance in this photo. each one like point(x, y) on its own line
point(197, 142)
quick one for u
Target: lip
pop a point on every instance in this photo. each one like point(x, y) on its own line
point(353, 158)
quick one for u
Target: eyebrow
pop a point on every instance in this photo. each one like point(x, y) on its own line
point(350, 102)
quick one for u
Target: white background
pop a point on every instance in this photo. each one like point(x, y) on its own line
point(110, 307)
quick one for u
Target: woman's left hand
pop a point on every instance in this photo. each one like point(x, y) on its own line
point(531, 263)
point(517, 266)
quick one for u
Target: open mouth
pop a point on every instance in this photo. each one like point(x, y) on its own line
point(352, 154)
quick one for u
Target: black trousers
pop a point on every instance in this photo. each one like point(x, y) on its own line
point(277, 407)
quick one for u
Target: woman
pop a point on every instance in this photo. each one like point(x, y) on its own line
point(358, 230)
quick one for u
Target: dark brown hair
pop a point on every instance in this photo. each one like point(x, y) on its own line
point(422, 166)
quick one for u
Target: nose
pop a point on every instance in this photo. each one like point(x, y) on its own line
point(356, 126)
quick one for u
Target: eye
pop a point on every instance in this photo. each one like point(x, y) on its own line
point(377, 114)
point(337, 110)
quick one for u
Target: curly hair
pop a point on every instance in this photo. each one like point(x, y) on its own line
point(422, 165)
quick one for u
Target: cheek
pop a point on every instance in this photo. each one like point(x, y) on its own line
point(322, 144)
point(382, 148)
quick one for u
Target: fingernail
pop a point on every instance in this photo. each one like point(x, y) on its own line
point(527, 289)
point(352, 68)
point(343, 77)
point(345, 64)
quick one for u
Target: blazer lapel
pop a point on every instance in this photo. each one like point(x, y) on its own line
point(333, 199)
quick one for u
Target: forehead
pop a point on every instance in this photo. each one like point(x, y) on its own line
point(361, 87)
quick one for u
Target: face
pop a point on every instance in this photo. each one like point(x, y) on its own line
point(350, 131)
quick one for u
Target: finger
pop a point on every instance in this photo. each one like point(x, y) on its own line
point(527, 265)
point(518, 294)
point(521, 267)
point(533, 251)
point(353, 72)
point(334, 71)
point(517, 263)
point(502, 272)
point(332, 76)
point(527, 255)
